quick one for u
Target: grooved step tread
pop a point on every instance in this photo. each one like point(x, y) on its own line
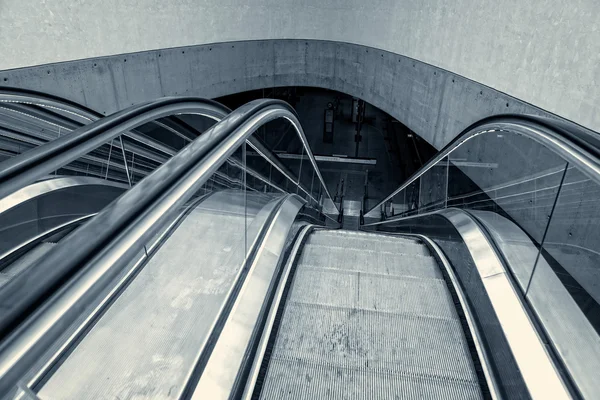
point(428, 297)
point(299, 379)
point(369, 317)
point(348, 248)
point(355, 338)
point(390, 263)
point(368, 241)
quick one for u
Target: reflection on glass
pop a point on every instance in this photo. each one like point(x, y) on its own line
point(508, 174)
point(433, 187)
point(565, 287)
point(406, 202)
point(572, 242)
point(545, 219)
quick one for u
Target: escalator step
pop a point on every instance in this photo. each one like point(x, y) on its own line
point(379, 262)
point(356, 240)
point(303, 380)
point(368, 316)
point(426, 297)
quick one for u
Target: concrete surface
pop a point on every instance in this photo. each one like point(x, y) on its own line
point(544, 52)
point(434, 103)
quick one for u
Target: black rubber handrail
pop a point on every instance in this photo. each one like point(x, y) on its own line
point(24, 169)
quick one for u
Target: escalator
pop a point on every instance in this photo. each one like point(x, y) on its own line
point(22, 263)
point(35, 218)
point(167, 304)
point(30, 119)
point(368, 314)
point(225, 276)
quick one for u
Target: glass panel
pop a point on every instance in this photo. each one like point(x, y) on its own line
point(433, 187)
point(291, 169)
point(304, 176)
point(262, 176)
point(160, 132)
point(283, 141)
point(264, 186)
point(106, 162)
point(502, 178)
point(332, 179)
point(508, 174)
point(310, 185)
point(314, 188)
point(573, 241)
point(565, 288)
point(406, 202)
point(142, 159)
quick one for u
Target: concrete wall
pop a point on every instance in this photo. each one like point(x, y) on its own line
point(545, 52)
point(434, 103)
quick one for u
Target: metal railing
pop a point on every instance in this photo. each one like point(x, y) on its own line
point(102, 247)
point(20, 171)
point(572, 143)
point(144, 152)
point(535, 186)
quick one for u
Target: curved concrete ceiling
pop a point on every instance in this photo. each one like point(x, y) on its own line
point(434, 103)
point(544, 53)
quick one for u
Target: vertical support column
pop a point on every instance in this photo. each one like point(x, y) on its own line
point(132, 166)
point(245, 197)
point(125, 160)
point(360, 116)
point(447, 176)
point(108, 160)
point(537, 258)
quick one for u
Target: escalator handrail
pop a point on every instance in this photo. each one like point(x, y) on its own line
point(54, 103)
point(37, 307)
point(24, 169)
point(573, 143)
point(114, 217)
point(29, 97)
point(513, 319)
point(23, 96)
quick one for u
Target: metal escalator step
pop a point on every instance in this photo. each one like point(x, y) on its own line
point(352, 330)
point(295, 379)
point(381, 262)
point(426, 297)
point(368, 241)
point(408, 344)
